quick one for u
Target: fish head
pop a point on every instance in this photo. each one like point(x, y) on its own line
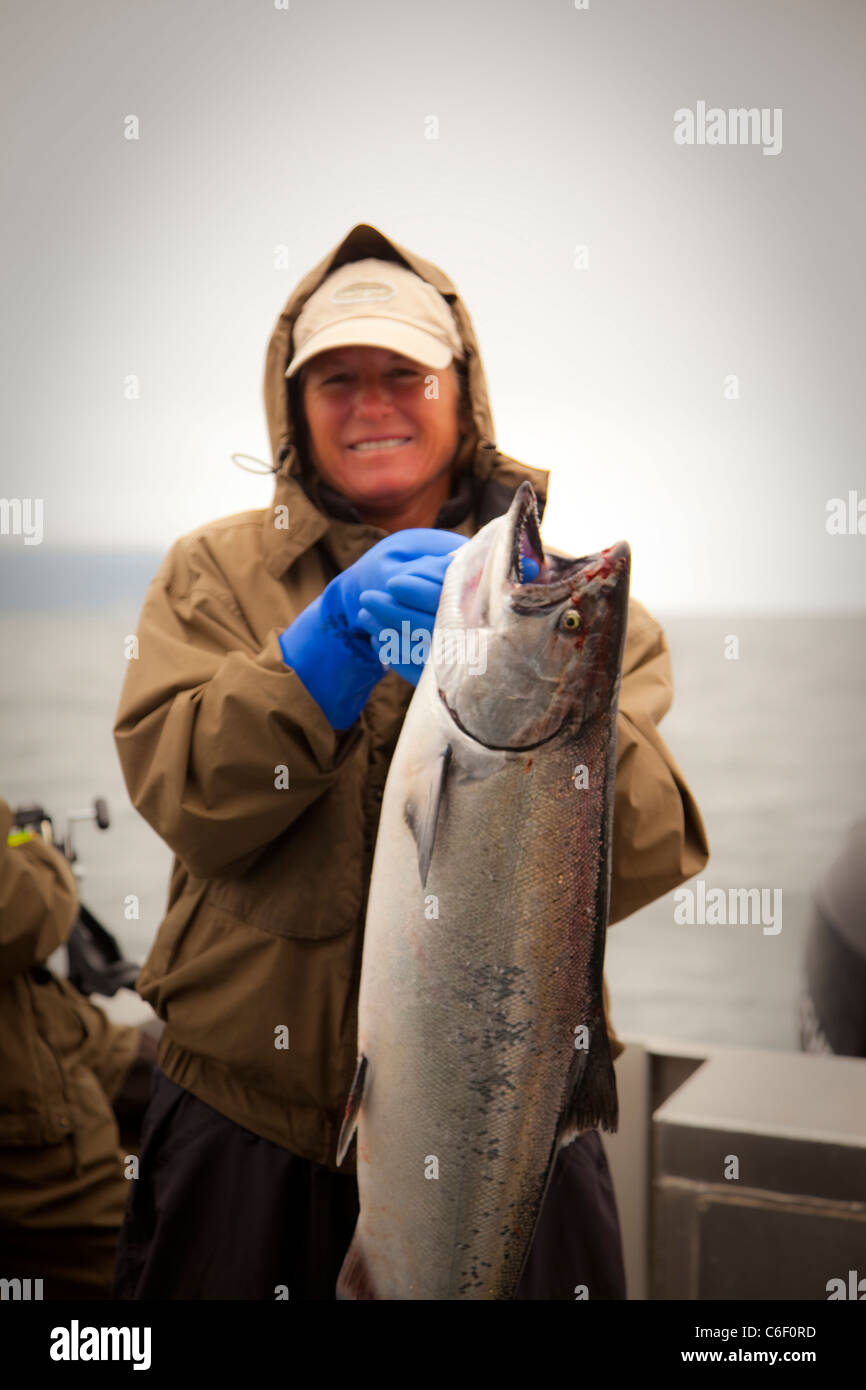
point(516, 661)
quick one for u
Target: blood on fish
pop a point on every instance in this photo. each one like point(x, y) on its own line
point(605, 567)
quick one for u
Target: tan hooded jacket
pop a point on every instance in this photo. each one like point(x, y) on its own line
point(62, 1062)
point(261, 943)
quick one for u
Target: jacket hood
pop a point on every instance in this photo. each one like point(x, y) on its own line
point(493, 476)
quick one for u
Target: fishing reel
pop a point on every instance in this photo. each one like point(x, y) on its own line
point(33, 817)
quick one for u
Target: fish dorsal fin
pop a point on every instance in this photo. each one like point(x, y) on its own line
point(422, 808)
point(592, 1102)
point(353, 1105)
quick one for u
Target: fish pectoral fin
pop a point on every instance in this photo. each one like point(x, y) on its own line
point(422, 807)
point(353, 1106)
point(355, 1279)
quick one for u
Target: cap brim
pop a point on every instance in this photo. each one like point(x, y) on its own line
point(376, 332)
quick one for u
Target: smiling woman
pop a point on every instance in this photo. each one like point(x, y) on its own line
point(383, 429)
point(376, 352)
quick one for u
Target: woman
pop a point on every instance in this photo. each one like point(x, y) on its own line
point(255, 732)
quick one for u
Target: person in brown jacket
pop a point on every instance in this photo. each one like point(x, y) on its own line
point(265, 775)
point(63, 1065)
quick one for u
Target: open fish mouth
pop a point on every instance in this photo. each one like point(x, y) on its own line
point(526, 541)
point(557, 574)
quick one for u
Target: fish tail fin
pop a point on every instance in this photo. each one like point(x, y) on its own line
point(354, 1280)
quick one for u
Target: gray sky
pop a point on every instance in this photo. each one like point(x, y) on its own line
point(264, 127)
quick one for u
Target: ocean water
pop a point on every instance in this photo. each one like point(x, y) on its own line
point(771, 745)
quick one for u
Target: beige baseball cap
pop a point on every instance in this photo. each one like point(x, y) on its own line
point(373, 303)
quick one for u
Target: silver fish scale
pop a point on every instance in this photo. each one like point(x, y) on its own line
point(468, 1019)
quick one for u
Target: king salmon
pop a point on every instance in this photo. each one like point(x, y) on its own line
point(482, 1040)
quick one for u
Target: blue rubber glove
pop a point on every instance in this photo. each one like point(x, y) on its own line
point(411, 596)
point(329, 650)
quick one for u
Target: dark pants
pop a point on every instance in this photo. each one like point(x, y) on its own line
point(219, 1213)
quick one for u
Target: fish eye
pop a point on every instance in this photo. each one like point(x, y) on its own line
point(570, 620)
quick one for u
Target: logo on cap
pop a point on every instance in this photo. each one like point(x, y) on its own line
point(363, 289)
